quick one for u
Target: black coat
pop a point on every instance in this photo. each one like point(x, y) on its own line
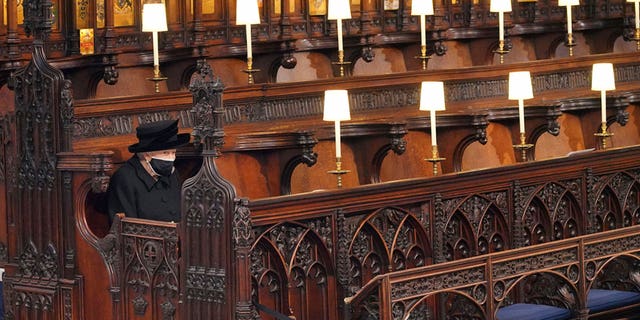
point(134, 192)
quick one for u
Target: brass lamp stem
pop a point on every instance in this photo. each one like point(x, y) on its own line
point(435, 159)
point(250, 71)
point(339, 171)
point(523, 146)
point(157, 77)
point(603, 135)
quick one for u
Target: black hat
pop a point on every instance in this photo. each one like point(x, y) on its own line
point(160, 135)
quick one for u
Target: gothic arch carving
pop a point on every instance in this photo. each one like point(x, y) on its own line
point(476, 226)
point(617, 202)
point(297, 267)
point(551, 212)
point(387, 239)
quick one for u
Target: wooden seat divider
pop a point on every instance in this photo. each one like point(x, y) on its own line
point(482, 285)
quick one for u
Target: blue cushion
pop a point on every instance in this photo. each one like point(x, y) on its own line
point(526, 311)
point(599, 300)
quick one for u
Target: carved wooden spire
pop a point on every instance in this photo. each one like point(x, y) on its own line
point(208, 109)
point(38, 18)
point(216, 227)
point(43, 246)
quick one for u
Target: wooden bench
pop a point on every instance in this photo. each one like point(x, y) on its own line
point(569, 278)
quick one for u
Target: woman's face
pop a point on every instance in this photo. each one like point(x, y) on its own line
point(169, 154)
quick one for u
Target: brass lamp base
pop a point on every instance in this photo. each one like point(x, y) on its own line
point(341, 63)
point(423, 57)
point(570, 43)
point(523, 146)
point(339, 171)
point(501, 51)
point(157, 77)
point(250, 70)
point(603, 135)
point(435, 159)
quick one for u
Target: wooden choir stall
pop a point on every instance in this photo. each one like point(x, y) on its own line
point(491, 221)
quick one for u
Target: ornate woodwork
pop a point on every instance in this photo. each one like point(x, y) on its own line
point(302, 254)
point(551, 274)
point(292, 28)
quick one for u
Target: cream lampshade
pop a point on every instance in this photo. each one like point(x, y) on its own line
point(339, 9)
point(520, 85)
point(336, 108)
point(520, 89)
point(247, 12)
point(432, 100)
point(432, 96)
point(336, 105)
point(500, 6)
point(603, 79)
point(568, 2)
point(154, 17)
point(423, 7)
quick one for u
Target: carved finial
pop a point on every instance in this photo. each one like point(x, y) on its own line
point(208, 109)
point(38, 18)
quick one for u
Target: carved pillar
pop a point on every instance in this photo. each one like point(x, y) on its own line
point(243, 240)
point(440, 224)
point(215, 272)
point(40, 278)
point(518, 214)
point(342, 262)
point(591, 201)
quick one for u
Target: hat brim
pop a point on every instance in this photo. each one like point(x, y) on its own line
point(181, 139)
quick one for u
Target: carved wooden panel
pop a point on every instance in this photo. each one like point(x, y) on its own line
point(293, 270)
point(477, 224)
point(553, 212)
point(474, 288)
point(616, 201)
point(150, 271)
point(387, 239)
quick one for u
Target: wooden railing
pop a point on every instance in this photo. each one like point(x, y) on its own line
point(331, 243)
point(483, 284)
